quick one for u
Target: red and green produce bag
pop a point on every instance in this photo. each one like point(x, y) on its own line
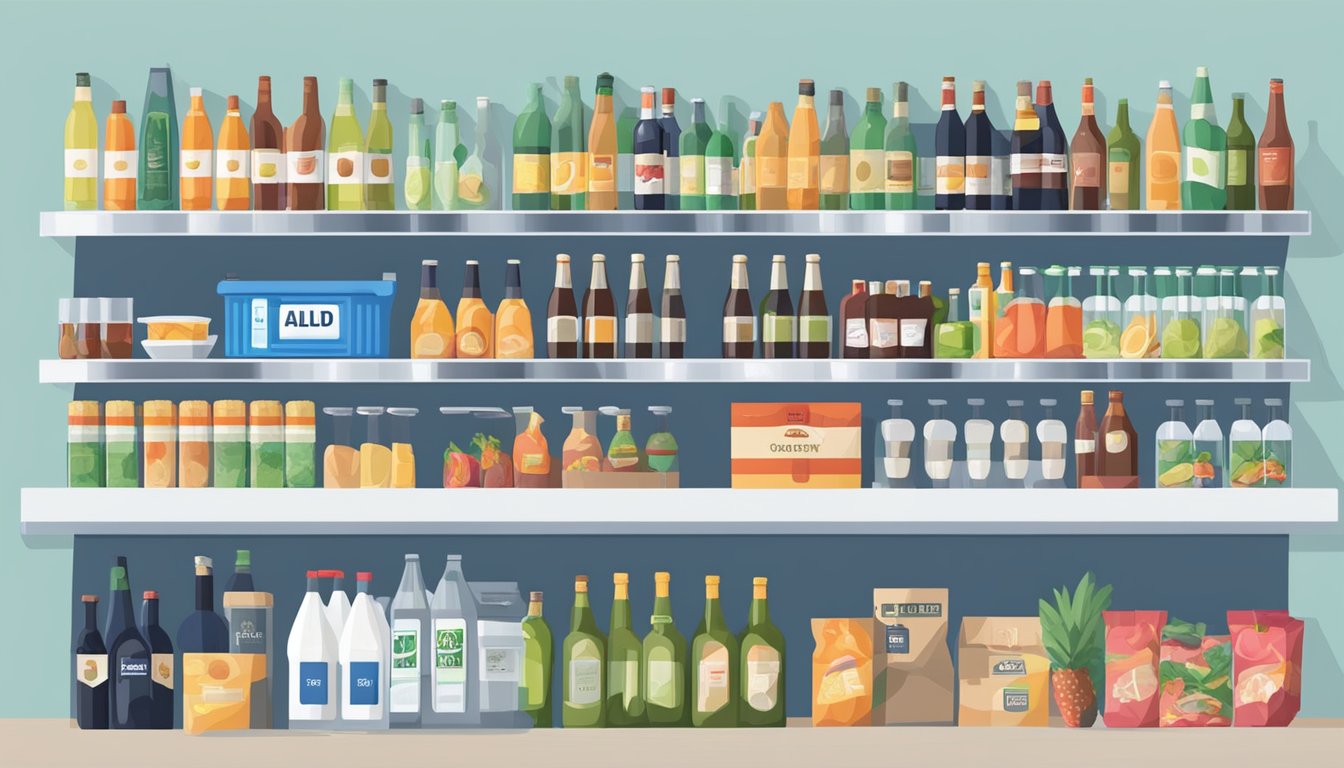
point(1267, 659)
point(460, 469)
point(1195, 677)
point(1133, 652)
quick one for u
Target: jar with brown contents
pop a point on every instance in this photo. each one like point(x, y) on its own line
point(65, 330)
point(118, 329)
point(88, 330)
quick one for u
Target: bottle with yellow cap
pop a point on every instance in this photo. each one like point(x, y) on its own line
point(583, 665)
point(625, 700)
point(761, 699)
point(714, 678)
point(664, 661)
point(538, 649)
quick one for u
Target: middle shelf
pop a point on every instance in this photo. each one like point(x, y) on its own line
point(403, 371)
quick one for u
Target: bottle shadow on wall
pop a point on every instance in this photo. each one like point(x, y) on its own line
point(1319, 189)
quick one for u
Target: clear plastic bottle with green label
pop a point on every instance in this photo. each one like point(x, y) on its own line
point(535, 692)
point(664, 661)
point(625, 697)
point(1241, 158)
point(761, 688)
point(410, 686)
point(1267, 317)
point(1204, 183)
point(345, 154)
point(583, 661)
point(455, 680)
point(1181, 338)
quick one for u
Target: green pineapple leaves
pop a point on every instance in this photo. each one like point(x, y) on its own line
point(1072, 628)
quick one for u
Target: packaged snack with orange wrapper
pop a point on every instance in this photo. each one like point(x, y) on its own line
point(1195, 677)
point(842, 672)
point(1267, 659)
point(1133, 651)
point(217, 691)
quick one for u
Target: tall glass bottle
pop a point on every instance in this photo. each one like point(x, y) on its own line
point(746, 169)
point(804, 151)
point(772, 154)
point(81, 149)
point(411, 689)
point(130, 699)
point(1124, 160)
point(562, 314)
point(814, 320)
point(532, 155)
point(416, 190)
point(979, 132)
point(157, 178)
point(241, 580)
point(671, 150)
point(599, 314)
point(477, 185)
point(1054, 153)
point(663, 657)
point(1118, 450)
point(538, 653)
point(1085, 440)
point(198, 144)
point(160, 662)
point(456, 699)
point(714, 655)
point(638, 312)
point(950, 146)
point(475, 321)
point(867, 161)
point(1063, 316)
point(602, 149)
point(1240, 158)
point(203, 630)
point(91, 671)
point(268, 152)
point(1278, 442)
point(345, 153)
point(739, 316)
point(1087, 179)
point(306, 164)
point(672, 320)
point(119, 162)
point(1204, 187)
point(761, 690)
point(432, 333)
point(834, 162)
point(1245, 449)
point(569, 161)
point(779, 324)
point(1268, 319)
point(694, 143)
point(583, 661)
point(901, 168)
point(378, 192)
point(1026, 157)
point(447, 151)
point(232, 190)
point(513, 318)
point(1162, 183)
point(1276, 155)
point(720, 194)
point(1139, 339)
point(651, 177)
point(625, 694)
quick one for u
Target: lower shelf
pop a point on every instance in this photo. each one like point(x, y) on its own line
point(722, 511)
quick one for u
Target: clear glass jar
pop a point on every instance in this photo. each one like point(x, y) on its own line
point(1163, 285)
point(1064, 315)
point(1101, 318)
point(1181, 338)
point(1139, 339)
point(1225, 320)
point(1267, 320)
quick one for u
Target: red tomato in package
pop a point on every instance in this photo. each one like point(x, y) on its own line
point(1267, 659)
point(460, 470)
point(1133, 640)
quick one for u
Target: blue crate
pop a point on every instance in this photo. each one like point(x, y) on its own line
point(307, 318)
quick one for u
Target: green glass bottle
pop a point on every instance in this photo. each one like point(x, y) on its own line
point(419, 160)
point(902, 166)
point(746, 166)
point(693, 147)
point(625, 696)
point(532, 155)
point(664, 661)
point(345, 154)
point(719, 192)
point(761, 690)
point(447, 153)
point(835, 157)
point(1123, 160)
point(1240, 159)
point(866, 159)
point(714, 677)
point(583, 661)
point(569, 161)
point(157, 181)
point(535, 693)
point(379, 194)
point(1204, 186)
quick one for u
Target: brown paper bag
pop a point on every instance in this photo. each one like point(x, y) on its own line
point(914, 664)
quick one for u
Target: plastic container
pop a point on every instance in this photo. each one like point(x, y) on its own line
point(121, 444)
point(1267, 319)
point(895, 439)
point(266, 440)
point(979, 436)
point(84, 448)
point(340, 460)
point(365, 648)
point(1245, 449)
point(118, 335)
point(375, 454)
point(1102, 314)
point(1175, 450)
point(1063, 316)
point(160, 420)
point(499, 630)
point(455, 658)
point(230, 448)
point(1225, 320)
point(66, 320)
point(1016, 437)
point(1139, 339)
point(1209, 448)
point(307, 318)
point(1054, 439)
point(314, 671)
point(193, 444)
point(1278, 442)
point(940, 437)
point(301, 446)
point(1181, 336)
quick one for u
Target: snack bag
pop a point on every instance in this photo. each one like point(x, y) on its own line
point(1267, 659)
point(1195, 677)
point(842, 672)
point(1133, 651)
point(217, 690)
point(1004, 672)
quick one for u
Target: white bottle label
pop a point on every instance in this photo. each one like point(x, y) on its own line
point(737, 328)
point(377, 168)
point(196, 163)
point(268, 166)
point(762, 679)
point(1204, 167)
point(1084, 446)
point(450, 665)
point(718, 175)
point(562, 328)
point(692, 180)
point(404, 693)
point(120, 164)
point(884, 333)
point(305, 167)
point(650, 173)
point(712, 692)
point(231, 164)
point(81, 163)
point(638, 328)
point(345, 168)
point(951, 175)
point(672, 328)
point(856, 333)
point(585, 682)
point(1024, 163)
point(91, 669)
point(979, 172)
point(912, 332)
point(1116, 441)
point(1053, 162)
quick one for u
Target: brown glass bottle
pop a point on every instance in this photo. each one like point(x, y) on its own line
point(562, 314)
point(268, 153)
point(1117, 449)
point(304, 155)
point(599, 314)
point(1087, 169)
point(1275, 151)
point(638, 312)
point(916, 316)
point(1085, 440)
point(672, 323)
point(854, 320)
point(814, 320)
point(884, 324)
point(739, 318)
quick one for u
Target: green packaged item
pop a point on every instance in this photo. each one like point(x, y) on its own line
point(122, 450)
point(230, 436)
point(300, 444)
point(84, 445)
point(267, 442)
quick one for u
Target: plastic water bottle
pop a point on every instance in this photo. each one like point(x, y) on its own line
point(313, 671)
point(412, 649)
point(365, 654)
point(456, 680)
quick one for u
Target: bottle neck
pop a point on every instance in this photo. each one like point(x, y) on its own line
point(562, 276)
point(599, 278)
point(205, 592)
point(264, 98)
point(534, 608)
point(582, 616)
point(90, 617)
point(672, 276)
point(900, 109)
point(638, 282)
point(362, 587)
point(760, 611)
point(949, 98)
point(1239, 110)
point(713, 613)
point(620, 609)
point(310, 106)
point(513, 282)
point(812, 277)
point(1122, 116)
point(978, 101)
point(471, 285)
point(150, 614)
point(953, 308)
point(602, 105)
point(429, 281)
point(739, 281)
point(698, 113)
point(779, 279)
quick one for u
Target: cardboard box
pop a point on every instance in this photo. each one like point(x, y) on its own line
point(1004, 672)
point(796, 445)
point(581, 479)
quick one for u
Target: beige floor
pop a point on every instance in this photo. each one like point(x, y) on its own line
point(35, 743)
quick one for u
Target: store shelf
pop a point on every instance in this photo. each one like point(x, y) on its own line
point(284, 511)
point(704, 371)
point(1033, 223)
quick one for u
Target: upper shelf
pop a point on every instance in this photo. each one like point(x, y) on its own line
point(1029, 223)
point(703, 371)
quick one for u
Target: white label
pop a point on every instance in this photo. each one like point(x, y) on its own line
point(404, 690)
point(650, 173)
point(81, 163)
point(718, 175)
point(1084, 446)
point(638, 328)
point(91, 669)
point(737, 328)
point(231, 164)
point(562, 328)
point(884, 333)
point(377, 168)
point(762, 684)
point(345, 168)
point(928, 176)
point(979, 174)
point(450, 653)
point(260, 324)
point(912, 332)
point(672, 328)
point(120, 164)
point(499, 664)
point(310, 321)
point(712, 693)
point(305, 167)
point(268, 166)
point(951, 175)
point(1000, 179)
point(1023, 162)
point(1204, 167)
point(585, 682)
point(1052, 162)
point(690, 176)
point(195, 163)
point(856, 333)
point(660, 682)
point(1117, 441)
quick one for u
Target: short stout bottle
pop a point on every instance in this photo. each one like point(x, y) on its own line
point(814, 321)
point(917, 323)
point(672, 321)
point(884, 325)
point(739, 318)
point(779, 325)
point(599, 314)
point(562, 314)
point(854, 320)
point(638, 312)
point(1085, 440)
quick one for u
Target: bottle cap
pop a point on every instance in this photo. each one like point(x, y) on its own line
point(669, 97)
point(937, 403)
point(636, 258)
point(379, 82)
point(759, 581)
point(1242, 401)
point(1048, 402)
point(739, 258)
point(620, 578)
point(671, 257)
point(812, 258)
point(975, 401)
point(1085, 397)
point(895, 402)
point(313, 574)
point(604, 80)
point(562, 258)
point(1014, 403)
point(195, 92)
point(231, 103)
point(837, 98)
point(82, 79)
point(202, 561)
point(1204, 403)
point(536, 596)
point(902, 91)
point(571, 81)
point(364, 576)
point(118, 107)
point(242, 557)
point(417, 106)
point(662, 576)
point(711, 581)
point(1175, 403)
point(778, 258)
point(151, 594)
point(1164, 85)
point(807, 88)
point(88, 598)
point(1273, 402)
point(874, 94)
point(599, 257)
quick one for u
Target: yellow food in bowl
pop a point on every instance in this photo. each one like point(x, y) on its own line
point(177, 328)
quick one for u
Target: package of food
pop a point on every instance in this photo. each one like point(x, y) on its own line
point(1133, 650)
point(915, 684)
point(230, 448)
point(531, 453)
point(217, 690)
point(84, 445)
point(496, 466)
point(123, 447)
point(249, 615)
point(193, 444)
point(300, 444)
point(796, 445)
point(160, 417)
point(1267, 660)
point(1003, 672)
point(266, 438)
point(1195, 677)
point(460, 469)
point(842, 672)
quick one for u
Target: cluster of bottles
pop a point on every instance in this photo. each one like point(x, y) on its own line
point(1250, 458)
point(124, 673)
point(505, 334)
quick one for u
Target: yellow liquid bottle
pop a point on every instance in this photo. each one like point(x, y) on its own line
point(513, 321)
point(233, 189)
point(804, 152)
point(475, 322)
point(432, 324)
point(375, 458)
point(198, 144)
point(81, 149)
point(772, 157)
point(602, 151)
point(980, 300)
point(1162, 182)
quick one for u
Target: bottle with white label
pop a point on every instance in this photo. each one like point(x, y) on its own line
point(979, 436)
point(81, 149)
point(639, 320)
point(664, 661)
point(345, 154)
point(1053, 437)
point(583, 661)
point(714, 660)
point(338, 604)
point(761, 692)
point(1016, 437)
point(1204, 183)
point(409, 692)
point(233, 191)
point(940, 435)
point(313, 658)
point(364, 653)
point(896, 437)
point(456, 682)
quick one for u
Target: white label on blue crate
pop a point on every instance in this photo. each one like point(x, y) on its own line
point(258, 324)
point(310, 321)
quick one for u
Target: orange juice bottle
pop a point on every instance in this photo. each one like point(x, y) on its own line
point(232, 161)
point(602, 150)
point(772, 155)
point(513, 321)
point(1162, 185)
point(198, 143)
point(804, 151)
point(981, 307)
point(119, 161)
point(475, 322)
point(432, 324)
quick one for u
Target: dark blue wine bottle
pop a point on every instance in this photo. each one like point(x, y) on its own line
point(203, 630)
point(1054, 153)
point(160, 663)
point(130, 701)
point(650, 171)
point(980, 152)
point(90, 670)
point(241, 581)
point(1026, 152)
point(949, 142)
point(671, 151)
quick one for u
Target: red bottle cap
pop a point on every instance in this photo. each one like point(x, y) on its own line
point(364, 576)
point(151, 594)
point(669, 96)
point(312, 574)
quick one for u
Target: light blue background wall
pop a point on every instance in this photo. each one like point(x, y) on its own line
point(752, 50)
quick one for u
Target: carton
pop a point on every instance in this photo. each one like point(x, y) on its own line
point(796, 445)
point(219, 691)
point(913, 670)
point(1004, 672)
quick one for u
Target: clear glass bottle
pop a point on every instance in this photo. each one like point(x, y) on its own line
point(661, 448)
point(940, 436)
point(1224, 319)
point(1278, 442)
point(1175, 446)
point(1208, 448)
point(1181, 339)
point(1139, 339)
point(1267, 321)
point(895, 438)
point(1063, 315)
point(1054, 438)
point(1016, 437)
point(979, 436)
point(1022, 322)
point(622, 451)
point(1245, 449)
point(411, 692)
point(1163, 284)
point(1102, 314)
point(456, 696)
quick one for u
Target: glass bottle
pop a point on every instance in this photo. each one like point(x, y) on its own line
point(81, 149)
point(1278, 441)
point(345, 154)
point(599, 314)
point(1181, 316)
point(241, 580)
point(562, 314)
point(1124, 160)
point(1054, 153)
point(1085, 440)
point(119, 162)
point(1165, 291)
point(746, 167)
point(638, 312)
point(1275, 167)
point(672, 320)
point(419, 163)
point(1268, 319)
point(1117, 452)
point(979, 437)
point(1087, 179)
point(895, 439)
point(477, 181)
point(1025, 316)
point(1162, 182)
point(622, 451)
point(761, 690)
point(379, 194)
point(1102, 314)
point(1224, 319)
point(720, 194)
point(513, 319)
point(625, 699)
point(1139, 339)
point(569, 160)
point(1025, 160)
point(1208, 448)
point(834, 163)
point(306, 163)
point(532, 155)
point(157, 179)
point(603, 147)
point(582, 663)
point(1240, 158)
point(411, 695)
point(1063, 315)
point(475, 321)
point(130, 687)
point(456, 698)
point(582, 450)
point(268, 152)
point(538, 650)
point(980, 310)
point(714, 654)
point(198, 143)
point(950, 150)
point(853, 320)
point(955, 338)
point(232, 190)
point(1245, 449)
point(1204, 186)
point(203, 631)
point(980, 133)
point(814, 320)
point(660, 450)
point(917, 322)
point(739, 316)
point(160, 660)
point(867, 159)
point(651, 173)
point(1004, 334)
point(664, 661)
point(803, 185)
point(671, 149)
point(447, 152)
point(884, 323)
point(940, 437)
point(432, 334)
point(772, 154)
point(1016, 437)
point(899, 172)
point(1053, 436)
point(693, 145)
point(779, 324)
point(91, 671)
point(1175, 450)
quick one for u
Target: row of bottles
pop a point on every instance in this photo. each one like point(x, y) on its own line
point(1251, 457)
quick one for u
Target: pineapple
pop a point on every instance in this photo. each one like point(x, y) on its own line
point(1074, 640)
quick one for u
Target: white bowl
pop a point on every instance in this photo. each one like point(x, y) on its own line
point(179, 350)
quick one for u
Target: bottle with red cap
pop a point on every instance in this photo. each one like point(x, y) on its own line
point(364, 648)
point(160, 663)
point(338, 604)
point(313, 672)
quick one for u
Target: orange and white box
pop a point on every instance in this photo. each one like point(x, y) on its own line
point(797, 445)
